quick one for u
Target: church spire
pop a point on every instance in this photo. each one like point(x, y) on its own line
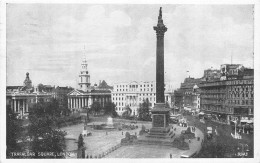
point(84, 77)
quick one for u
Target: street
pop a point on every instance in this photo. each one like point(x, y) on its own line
point(222, 144)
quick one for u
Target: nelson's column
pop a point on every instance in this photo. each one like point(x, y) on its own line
point(160, 114)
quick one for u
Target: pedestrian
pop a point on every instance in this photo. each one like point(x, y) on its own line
point(170, 155)
point(189, 141)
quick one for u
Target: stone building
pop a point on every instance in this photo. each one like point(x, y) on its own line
point(86, 94)
point(21, 98)
point(189, 91)
point(232, 97)
point(134, 93)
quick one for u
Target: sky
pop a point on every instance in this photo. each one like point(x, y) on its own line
point(48, 40)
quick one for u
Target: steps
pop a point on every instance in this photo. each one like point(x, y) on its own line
point(155, 141)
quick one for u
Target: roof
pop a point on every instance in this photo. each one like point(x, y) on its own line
point(13, 87)
point(160, 107)
point(100, 91)
point(104, 85)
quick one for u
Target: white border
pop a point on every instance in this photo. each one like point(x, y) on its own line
point(256, 78)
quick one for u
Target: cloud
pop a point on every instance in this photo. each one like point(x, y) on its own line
point(121, 43)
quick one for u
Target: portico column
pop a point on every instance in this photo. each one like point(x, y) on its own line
point(71, 103)
point(89, 101)
point(27, 105)
point(12, 105)
point(18, 105)
point(86, 102)
point(23, 106)
point(68, 103)
point(74, 102)
point(79, 102)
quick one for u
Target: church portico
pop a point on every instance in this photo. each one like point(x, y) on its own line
point(86, 94)
point(78, 100)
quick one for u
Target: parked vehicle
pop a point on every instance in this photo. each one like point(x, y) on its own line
point(209, 132)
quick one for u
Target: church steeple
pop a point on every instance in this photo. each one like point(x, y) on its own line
point(84, 77)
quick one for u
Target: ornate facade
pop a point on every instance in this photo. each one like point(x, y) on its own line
point(230, 98)
point(87, 94)
point(134, 93)
point(189, 94)
point(21, 98)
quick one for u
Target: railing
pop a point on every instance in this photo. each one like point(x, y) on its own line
point(104, 154)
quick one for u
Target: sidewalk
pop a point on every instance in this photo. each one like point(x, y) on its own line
point(159, 151)
point(195, 145)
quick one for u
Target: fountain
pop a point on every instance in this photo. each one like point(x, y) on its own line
point(110, 124)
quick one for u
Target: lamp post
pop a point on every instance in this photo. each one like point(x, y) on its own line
point(235, 129)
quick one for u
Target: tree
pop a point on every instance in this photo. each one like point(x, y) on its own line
point(80, 141)
point(13, 132)
point(144, 111)
point(81, 148)
point(110, 109)
point(95, 107)
point(43, 131)
point(40, 87)
point(127, 112)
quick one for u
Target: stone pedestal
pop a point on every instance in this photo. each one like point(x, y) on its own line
point(160, 133)
point(160, 121)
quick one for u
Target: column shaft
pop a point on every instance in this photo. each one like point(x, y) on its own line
point(18, 105)
point(23, 106)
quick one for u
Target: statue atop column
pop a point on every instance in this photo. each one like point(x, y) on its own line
point(160, 20)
